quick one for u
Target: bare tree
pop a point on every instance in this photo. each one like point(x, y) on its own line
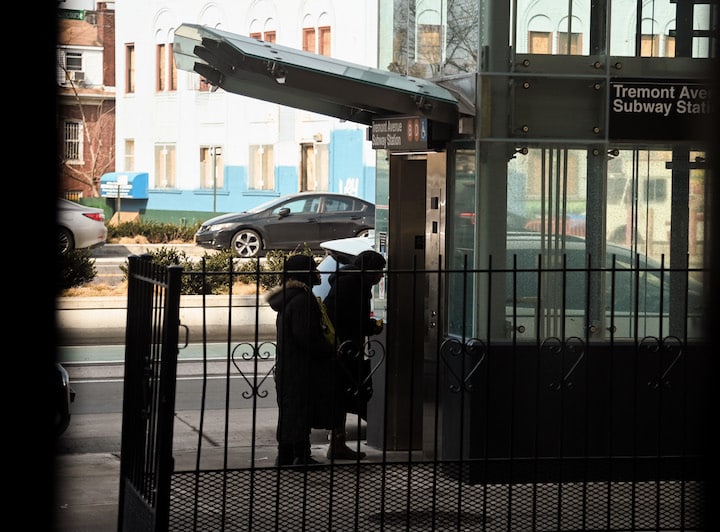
point(461, 48)
point(455, 43)
point(97, 116)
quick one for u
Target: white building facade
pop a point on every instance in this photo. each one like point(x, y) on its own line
point(207, 151)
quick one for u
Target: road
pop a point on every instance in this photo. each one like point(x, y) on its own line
point(108, 270)
point(96, 375)
point(110, 257)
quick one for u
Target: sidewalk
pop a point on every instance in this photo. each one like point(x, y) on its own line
point(87, 487)
point(87, 484)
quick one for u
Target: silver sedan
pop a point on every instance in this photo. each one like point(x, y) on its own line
point(79, 226)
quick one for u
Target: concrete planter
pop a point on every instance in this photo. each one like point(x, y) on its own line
point(102, 320)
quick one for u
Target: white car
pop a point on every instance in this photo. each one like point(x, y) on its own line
point(79, 226)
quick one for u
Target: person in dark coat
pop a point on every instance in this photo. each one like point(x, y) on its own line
point(349, 306)
point(302, 362)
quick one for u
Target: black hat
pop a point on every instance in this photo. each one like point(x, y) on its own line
point(300, 263)
point(370, 260)
point(299, 268)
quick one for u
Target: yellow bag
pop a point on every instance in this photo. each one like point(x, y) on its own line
point(327, 325)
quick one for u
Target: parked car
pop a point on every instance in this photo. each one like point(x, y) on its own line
point(636, 291)
point(290, 222)
point(552, 282)
point(63, 396)
point(79, 226)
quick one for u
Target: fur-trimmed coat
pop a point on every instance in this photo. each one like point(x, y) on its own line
point(303, 363)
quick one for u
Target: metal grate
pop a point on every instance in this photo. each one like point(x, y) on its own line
point(396, 497)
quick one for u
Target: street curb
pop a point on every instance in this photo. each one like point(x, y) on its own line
point(125, 250)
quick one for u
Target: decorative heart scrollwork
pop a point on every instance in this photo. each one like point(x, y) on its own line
point(573, 348)
point(670, 345)
point(472, 353)
point(247, 352)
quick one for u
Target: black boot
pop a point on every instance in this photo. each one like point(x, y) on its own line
point(338, 449)
point(285, 455)
point(303, 455)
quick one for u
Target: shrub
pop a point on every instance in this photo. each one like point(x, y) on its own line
point(219, 273)
point(192, 280)
point(75, 268)
point(155, 232)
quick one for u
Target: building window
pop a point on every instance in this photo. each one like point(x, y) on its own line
point(161, 72)
point(317, 40)
point(166, 74)
point(211, 167)
point(73, 61)
point(73, 141)
point(267, 36)
point(324, 41)
point(261, 171)
point(669, 46)
point(205, 85)
point(129, 68)
point(129, 155)
point(308, 43)
point(172, 81)
point(540, 42)
point(575, 43)
point(429, 44)
point(313, 166)
point(650, 46)
point(165, 166)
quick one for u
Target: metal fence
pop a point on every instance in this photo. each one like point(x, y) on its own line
point(566, 433)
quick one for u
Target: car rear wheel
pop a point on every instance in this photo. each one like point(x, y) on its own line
point(65, 241)
point(246, 243)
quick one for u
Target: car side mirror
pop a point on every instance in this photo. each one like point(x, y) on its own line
point(282, 213)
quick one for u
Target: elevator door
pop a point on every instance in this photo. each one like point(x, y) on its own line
point(414, 243)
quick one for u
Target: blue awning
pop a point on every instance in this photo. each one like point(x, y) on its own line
point(132, 185)
point(303, 80)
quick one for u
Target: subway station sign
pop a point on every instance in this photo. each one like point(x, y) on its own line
point(400, 133)
point(659, 110)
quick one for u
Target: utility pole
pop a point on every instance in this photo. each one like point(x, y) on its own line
point(215, 151)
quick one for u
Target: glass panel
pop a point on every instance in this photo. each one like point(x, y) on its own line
point(544, 27)
point(461, 49)
point(426, 38)
point(460, 238)
point(658, 22)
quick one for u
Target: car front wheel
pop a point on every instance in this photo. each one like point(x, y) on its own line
point(246, 243)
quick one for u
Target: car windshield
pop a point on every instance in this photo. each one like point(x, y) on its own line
point(262, 206)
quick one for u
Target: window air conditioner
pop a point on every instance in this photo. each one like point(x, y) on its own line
point(76, 75)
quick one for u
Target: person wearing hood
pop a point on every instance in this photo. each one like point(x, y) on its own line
point(349, 306)
point(302, 362)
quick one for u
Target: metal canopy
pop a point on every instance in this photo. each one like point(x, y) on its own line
point(303, 80)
